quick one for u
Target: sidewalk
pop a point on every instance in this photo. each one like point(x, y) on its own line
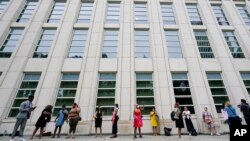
point(130, 138)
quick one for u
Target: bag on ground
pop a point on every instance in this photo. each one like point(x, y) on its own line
point(167, 131)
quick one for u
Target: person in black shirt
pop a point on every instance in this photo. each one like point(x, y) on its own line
point(42, 120)
point(245, 109)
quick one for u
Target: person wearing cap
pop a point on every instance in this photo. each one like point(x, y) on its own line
point(245, 109)
point(25, 110)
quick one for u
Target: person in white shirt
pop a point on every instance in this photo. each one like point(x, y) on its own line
point(186, 114)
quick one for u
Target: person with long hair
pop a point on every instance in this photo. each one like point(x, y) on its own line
point(115, 118)
point(60, 118)
point(73, 117)
point(154, 121)
point(208, 119)
point(138, 120)
point(178, 118)
point(98, 119)
point(189, 124)
point(43, 120)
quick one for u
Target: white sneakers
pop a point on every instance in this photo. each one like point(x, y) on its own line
point(21, 139)
point(218, 134)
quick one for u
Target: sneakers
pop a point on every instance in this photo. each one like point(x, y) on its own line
point(218, 134)
point(21, 139)
point(212, 134)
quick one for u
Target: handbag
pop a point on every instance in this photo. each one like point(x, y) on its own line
point(79, 118)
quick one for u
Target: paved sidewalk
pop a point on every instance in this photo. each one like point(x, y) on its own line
point(130, 138)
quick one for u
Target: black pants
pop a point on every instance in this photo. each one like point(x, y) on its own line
point(233, 122)
point(189, 124)
point(247, 121)
point(114, 127)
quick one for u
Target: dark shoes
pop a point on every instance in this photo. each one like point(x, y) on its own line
point(113, 136)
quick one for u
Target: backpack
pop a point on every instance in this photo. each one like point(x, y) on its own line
point(172, 115)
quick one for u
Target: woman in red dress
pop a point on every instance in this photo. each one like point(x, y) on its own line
point(138, 120)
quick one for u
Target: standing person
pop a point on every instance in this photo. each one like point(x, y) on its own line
point(154, 121)
point(138, 120)
point(42, 120)
point(178, 118)
point(60, 118)
point(233, 118)
point(115, 119)
point(245, 109)
point(73, 120)
point(224, 113)
point(98, 120)
point(25, 110)
point(189, 124)
point(208, 119)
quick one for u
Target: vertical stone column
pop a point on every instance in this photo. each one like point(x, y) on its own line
point(91, 67)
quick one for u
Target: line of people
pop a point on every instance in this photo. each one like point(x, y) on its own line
point(73, 117)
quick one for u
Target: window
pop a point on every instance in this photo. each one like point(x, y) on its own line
point(106, 92)
point(145, 91)
point(233, 44)
point(44, 44)
point(28, 87)
point(194, 15)
point(66, 91)
point(142, 49)
point(173, 44)
point(78, 43)
point(10, 43)
point(56, 12)
point(244, 13)
point(110, 43)
point(217, 89)
point(219, 14)
point(246, 79)
point(85, 12)
point(182, 90)
point(113, 13)
point(3, 5)
point(203, 44)
point(140, 13)
point(27, 11)
point(167, 14)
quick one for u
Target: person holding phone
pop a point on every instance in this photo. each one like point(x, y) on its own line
point(25, 110)
point(138, 123)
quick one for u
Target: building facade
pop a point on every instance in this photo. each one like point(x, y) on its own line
point(101, 52)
